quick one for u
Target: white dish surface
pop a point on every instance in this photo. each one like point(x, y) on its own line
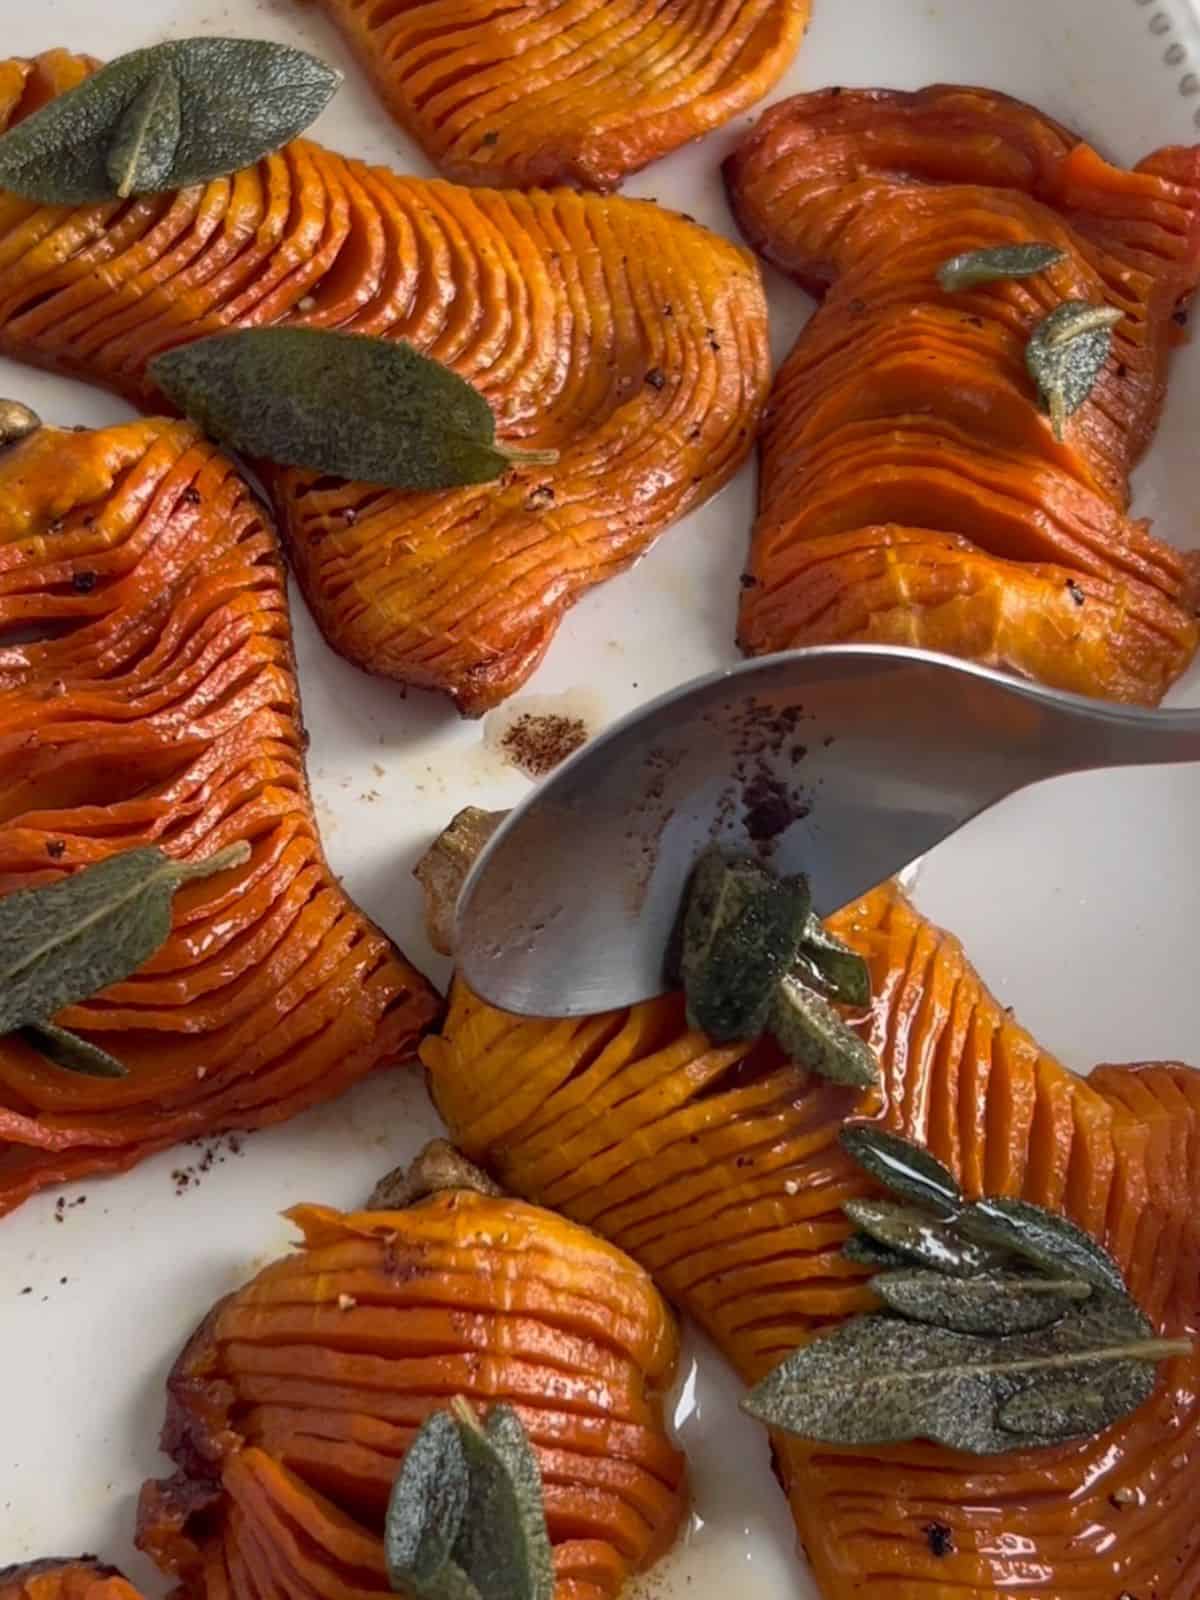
point(1079, 901)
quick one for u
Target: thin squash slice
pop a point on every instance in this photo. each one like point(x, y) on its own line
point(720, 1171)
point(629, 339)
point(148, 696)
point(913, 490)
point(79, 1578)
point(292, 1407)
point(548, 93)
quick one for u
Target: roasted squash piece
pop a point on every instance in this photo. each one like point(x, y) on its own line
point(720, 1171)
point(292, 1407)
point(148, 696)
point(77, 1578)
point(912, 490)
point(582, 94)
point(627, 338)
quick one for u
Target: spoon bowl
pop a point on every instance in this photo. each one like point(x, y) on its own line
point(845, 762)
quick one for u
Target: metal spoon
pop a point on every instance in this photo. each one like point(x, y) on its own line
point(845, 762)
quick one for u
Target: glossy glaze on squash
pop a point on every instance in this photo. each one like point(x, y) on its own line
point(630, 340)
point(66, 1578)
point(582, 93)
point(912, 490)
point(291, 1408)
point(148, 696)
point(720, 1171)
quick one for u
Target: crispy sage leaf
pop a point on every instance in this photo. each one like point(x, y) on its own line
point(65, 942)
point(811, 1033)
point(425, 1515)
point(975, 267)
point(141, 156)
point(504, 1547)
point(924, 1238)
point(1058, 1405)
point(741, 932)
point(17, 422)
point(881, 1379)
point(990, 1303)
point(343, 404)
point(68, 1050)
point(1052, 1242)
point(907, 1169)
point(844, 975)
point(867, 1252)
point(1067, 353)
point(238, 100)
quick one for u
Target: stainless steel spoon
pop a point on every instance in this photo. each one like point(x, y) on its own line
point(845, 762)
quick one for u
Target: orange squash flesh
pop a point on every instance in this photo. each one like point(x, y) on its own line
point(148, 696)
point(586, 92)
point(720, 1171)
point(78, 1578)
point(912, 489)
point(629, 339)
point(291, 1408)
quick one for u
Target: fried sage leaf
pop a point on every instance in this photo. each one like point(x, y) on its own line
point(142, 154)
point(842, 973)
point(425, 1515)
point(975, 267)
point(64, 943)
point(1066, 354)
point(923, 1238)
point(741, 932)
point(989, 1303)
point(504, 1547)
point(466, 1519)
point(882, 1380)
point(907, 1169)
point(68, 1050)
point(343, 404)
point(811, 1033)
point(116, 134)
point(867, 1252)
point(1047, 1239)
point(1060, 1406)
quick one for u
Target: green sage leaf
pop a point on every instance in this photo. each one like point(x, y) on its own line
point(811, 1033)
point(882, 1380)
point(116, 134)
point(1060, 1406)
point(426, 1512)
point(989, 1303)
point(1066, 354)
point(1050, 1241)
point(924, 1239)
point(843, 974)
point(907, 1169)
point(141, 156)
point(17, 422)
point(504, 1547)
point(68, 1050)
point(342, 404)
point(741, 932)
point(867, 1252)
point(65, 942)
point(975, 267)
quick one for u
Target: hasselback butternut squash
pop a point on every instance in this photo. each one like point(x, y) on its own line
point(912, 490)
point(292, 1407)
point(148, 696)
point(78, 1578)
point(720, 1170)
point(552, 93)
point(630, 340)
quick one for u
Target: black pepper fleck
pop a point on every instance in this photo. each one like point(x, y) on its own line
point(1075, 592)
point(939, 1538)
point(656, 378)
point(83, 582)
point(55, 848)
point(191, 496)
